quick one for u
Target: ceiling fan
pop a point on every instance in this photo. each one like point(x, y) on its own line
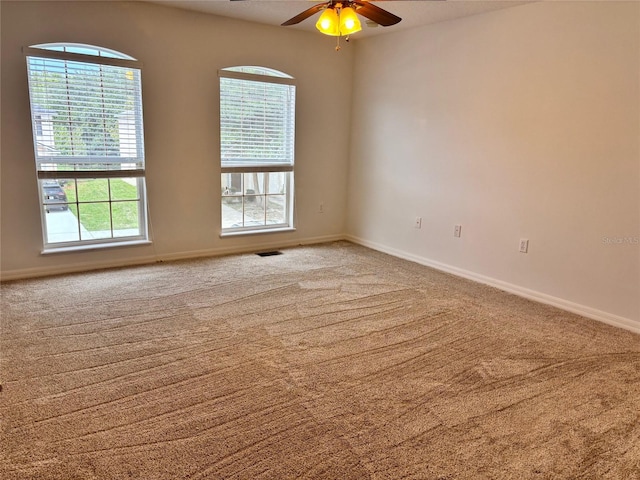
point(364, 8)
point(340, 17)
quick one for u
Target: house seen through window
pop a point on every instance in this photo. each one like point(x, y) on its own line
point(86, 110)
point(257, 136)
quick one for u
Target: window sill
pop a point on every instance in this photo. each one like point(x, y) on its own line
point(96, 246)
point(240, 233)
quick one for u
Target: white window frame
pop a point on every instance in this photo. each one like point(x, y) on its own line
point(127, 165)
point(284, 164)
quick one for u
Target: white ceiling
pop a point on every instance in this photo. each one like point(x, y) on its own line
point(273, 12)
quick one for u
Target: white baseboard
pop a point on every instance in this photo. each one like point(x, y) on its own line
point(24, 273)
point(583, 310)
point(608, 318)
point(257, 247)
point(145, 260)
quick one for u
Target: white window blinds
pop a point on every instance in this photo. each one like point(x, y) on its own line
point(257, 120)
point(86, 113)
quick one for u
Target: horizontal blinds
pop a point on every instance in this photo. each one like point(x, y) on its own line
point(258, 169)
point(257, 126)
point(86, 116)
point(65, 174)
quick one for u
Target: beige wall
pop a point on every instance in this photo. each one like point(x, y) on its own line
point(520, 123)
point(181, 53)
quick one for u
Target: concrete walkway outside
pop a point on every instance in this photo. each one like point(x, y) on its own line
point(62, 226)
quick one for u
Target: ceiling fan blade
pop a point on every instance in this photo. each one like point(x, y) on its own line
point(378, 15)
point(304, 15)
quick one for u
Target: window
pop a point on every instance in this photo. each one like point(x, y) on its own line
point(257, 130)
point(86, 110)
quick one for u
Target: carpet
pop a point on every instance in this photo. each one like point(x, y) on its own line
point(330, 361)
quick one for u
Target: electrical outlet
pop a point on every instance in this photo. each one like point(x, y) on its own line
point(457, 230)
point(418, 222)
point(524, 245)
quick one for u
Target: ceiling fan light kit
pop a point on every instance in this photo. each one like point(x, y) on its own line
point(340, 18)
point(338, 21)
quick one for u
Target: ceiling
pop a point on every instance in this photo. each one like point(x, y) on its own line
point(273, 12)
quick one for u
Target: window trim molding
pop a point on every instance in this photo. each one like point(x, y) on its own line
point(128, 242)
point(278, 78)
point(111, 58)
point(256, 77)
point(256, 231)
point(81, 57)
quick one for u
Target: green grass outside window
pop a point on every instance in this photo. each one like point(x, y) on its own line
point(95, 216)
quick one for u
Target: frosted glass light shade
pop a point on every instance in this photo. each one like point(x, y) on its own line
point(329, 23)
point(349, 21)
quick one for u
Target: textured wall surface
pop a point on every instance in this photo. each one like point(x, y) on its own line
point(520, 123)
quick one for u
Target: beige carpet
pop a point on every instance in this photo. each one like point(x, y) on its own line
point(326, 362)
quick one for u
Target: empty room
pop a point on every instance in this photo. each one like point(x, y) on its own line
point(343, 240)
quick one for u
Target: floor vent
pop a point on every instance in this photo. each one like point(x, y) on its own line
point(269, 254)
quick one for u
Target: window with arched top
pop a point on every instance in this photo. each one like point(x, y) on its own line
point(88, 138)
point(257, 139)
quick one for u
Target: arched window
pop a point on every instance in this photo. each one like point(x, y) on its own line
point(86, 110)
point(257, 138)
